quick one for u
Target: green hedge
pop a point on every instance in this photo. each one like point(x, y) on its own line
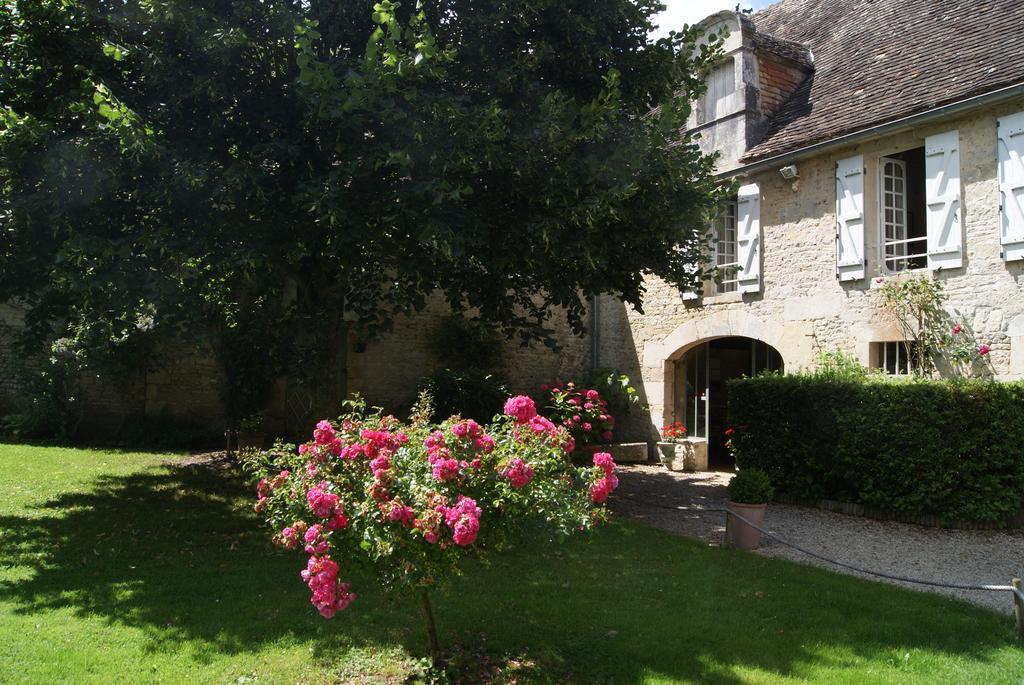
point(952, 449)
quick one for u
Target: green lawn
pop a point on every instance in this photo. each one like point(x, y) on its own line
point(119, 567)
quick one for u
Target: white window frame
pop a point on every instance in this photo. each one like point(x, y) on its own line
point(899, 243)
point(725, 250)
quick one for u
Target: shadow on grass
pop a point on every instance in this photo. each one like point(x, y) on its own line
point(176, 552)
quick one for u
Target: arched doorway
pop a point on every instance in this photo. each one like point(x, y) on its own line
point(701, 396)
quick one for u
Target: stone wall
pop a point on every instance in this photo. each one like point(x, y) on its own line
point(388, 371)
point(802, 308)
point(183, 387)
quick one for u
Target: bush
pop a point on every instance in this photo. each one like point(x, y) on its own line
point(750, 486)
point(581, 410)
point(615, 387)
point(951, 449)
point(414, 500)
point(471, 393)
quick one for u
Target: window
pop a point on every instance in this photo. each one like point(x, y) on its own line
point(896, 358)
point(902, 212)
point(724, 249)
point(718, 100)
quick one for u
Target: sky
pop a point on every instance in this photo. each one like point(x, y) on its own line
point(681, 12)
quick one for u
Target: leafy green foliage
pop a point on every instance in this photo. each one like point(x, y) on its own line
point(841, 365)
point(750, 486)
point(470, 393)
point(235, 171)
point(928, 447)
point(616, 388)
point(461, 343)
point(50, 405)
point(918, 306)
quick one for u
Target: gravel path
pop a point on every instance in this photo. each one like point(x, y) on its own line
point(674, 502)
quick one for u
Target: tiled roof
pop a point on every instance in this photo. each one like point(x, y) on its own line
point(880, 60)
point(795, 52)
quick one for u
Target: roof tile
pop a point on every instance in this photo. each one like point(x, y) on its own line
point(880, 60)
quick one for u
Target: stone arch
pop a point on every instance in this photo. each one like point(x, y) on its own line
point(792, 340)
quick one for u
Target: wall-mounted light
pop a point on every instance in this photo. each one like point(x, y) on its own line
point(789, 172)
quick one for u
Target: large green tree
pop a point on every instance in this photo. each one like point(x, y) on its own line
point(262, 173)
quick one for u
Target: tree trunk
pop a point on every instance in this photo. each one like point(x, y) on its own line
point(428, 620)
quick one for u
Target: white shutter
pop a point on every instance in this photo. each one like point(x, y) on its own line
point(850, 219)
point(748, 238)
point(942, 195)
point(1010, 143)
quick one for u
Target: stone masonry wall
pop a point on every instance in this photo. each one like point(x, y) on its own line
point(182, 388)
point(388, 371)
point(802, 308)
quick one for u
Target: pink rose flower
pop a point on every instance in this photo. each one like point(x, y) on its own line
point(315, 543)
point(327, 594)
point(518, 472)
point(445, 469)
point(603, 487)
point(464, 520)
point(379, 465)
point(520, 407)
point(984, 349)
point(338, 521)
point(539, 424)
point(605, 462)
point(467, 430)
point(324, 433)
point(290, 537)
point(322, 503)
point(402, 513)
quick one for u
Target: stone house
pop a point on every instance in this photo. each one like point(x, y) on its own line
point(869, 140)
point(866, 138)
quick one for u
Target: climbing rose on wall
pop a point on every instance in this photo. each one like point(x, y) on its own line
point(412, 500)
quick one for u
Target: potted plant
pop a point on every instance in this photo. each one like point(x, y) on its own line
point(252, 432)
point(749, 492)
point(671, 435)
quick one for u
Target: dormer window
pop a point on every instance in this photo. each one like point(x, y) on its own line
point(718, 101)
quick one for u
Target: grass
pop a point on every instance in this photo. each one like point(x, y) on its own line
point(130, 568)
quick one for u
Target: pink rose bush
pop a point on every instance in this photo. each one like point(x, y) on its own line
point(412, 500)
point(582, 411)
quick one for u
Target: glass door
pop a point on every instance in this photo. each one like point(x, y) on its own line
point(696, 394)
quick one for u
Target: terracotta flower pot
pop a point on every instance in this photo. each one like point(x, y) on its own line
point(737, 533)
